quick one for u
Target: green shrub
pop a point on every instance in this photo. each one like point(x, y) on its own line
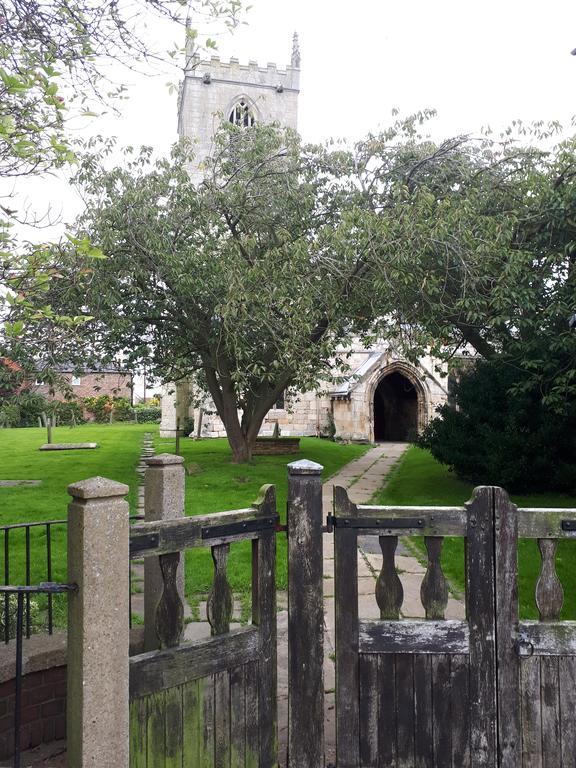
point(502, 433)
point(103, 405)
point(26, 408)
point(31, 405)
point(9, 415)
point(148, 414)
point(122, 409)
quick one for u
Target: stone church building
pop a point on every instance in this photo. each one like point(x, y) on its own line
point(384, 397)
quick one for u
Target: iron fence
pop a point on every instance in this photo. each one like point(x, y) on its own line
point(37, 564)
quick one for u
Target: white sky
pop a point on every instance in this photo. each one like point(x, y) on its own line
point(478, 64)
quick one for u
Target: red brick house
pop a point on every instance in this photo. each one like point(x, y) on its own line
point(92, 382)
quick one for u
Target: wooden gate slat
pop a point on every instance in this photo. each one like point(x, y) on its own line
point(441, 711)
point(237, 718)
point(252, 743)
point(346, 636)
point(459, 708)
point(405, 710)
point(173, 734)
point(268, 673)
point(567, 681)
point(506, 606)
point(423, 743)
point(138, 728)
point(264, 589)
point(480, 606)
point(222, 720)
point(531, 713)
point(207, 738)
point(192, 717)
point(386, 711)
point(551, 745)
point(368, 713)
point(155, 747)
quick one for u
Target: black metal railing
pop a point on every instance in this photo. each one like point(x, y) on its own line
point(18, 538)
point(22, 595)
point(37, 564)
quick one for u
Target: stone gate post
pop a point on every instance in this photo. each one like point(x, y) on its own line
point(163, 500)
point(305, 616)
point(98, 629)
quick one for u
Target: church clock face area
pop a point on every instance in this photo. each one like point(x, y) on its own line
point(384, 398)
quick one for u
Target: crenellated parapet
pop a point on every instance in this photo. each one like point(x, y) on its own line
point(215, 70)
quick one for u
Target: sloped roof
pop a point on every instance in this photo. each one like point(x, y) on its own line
point(352, 381)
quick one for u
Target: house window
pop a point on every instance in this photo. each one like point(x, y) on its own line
point(76, 381)
point(241, 115)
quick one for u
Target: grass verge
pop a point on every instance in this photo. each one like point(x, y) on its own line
point(216, 485)
point(420, 479)
point(116, 457)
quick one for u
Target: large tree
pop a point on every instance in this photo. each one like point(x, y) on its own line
point(55, 58)
point(244, 281)
point(475, 241)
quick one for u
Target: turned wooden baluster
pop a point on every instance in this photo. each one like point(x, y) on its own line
point(389, 590)
point(549, 592)
point(219, 606)
point(170, 611)
point(434, 589)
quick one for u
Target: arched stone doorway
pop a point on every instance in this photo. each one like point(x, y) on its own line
point(396, 408)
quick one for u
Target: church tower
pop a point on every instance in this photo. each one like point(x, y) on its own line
point(215, 90)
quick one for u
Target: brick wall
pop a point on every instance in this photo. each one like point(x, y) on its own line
point(268, 446)
point(43, 710)
point(95, 384)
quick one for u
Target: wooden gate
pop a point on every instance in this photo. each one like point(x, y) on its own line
point(487, 691)
point(209, 703)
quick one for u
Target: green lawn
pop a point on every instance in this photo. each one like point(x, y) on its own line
point(220, 485)
point(216, 486)
point(419, 479)
point(120, 446)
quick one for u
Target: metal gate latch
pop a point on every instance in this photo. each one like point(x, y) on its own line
point(524, 647)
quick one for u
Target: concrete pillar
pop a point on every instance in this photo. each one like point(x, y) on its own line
point(163, 500)
point(98, 628)
point(305, 616)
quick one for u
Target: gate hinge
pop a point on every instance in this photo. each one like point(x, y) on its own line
point(244, 526)
point(374, 522)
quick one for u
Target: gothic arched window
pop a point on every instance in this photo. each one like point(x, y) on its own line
point(242, 115)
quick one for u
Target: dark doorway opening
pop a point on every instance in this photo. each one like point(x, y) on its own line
point(395, 409)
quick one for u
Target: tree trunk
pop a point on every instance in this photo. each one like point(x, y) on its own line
point(241, 451)
point(225, 401)
point(241, 435)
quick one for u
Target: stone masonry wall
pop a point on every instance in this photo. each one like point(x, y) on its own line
point(211, 88)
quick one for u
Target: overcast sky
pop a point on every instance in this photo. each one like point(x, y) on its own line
point(478, 64)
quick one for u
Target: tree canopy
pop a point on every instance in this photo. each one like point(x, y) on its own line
point(54, 63)
point(244, 280)
point(475, 245)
